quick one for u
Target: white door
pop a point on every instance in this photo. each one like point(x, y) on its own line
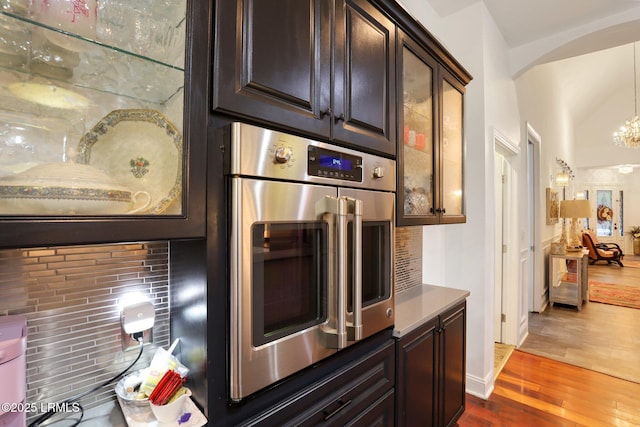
point(507, 285)
point(498, 311)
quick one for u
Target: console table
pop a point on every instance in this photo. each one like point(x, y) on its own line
point(568, 278)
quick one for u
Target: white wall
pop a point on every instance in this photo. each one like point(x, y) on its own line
point(598, 127)
point(461, 255)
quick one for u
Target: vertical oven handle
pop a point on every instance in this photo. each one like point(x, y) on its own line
point(336, 210)
point(355, 329)
point(342, 272)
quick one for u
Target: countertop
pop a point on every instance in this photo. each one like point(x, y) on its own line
point(419, 304)
point(413, 307)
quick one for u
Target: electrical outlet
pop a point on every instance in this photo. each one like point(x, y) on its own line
point(137, 322)
point(131, 340)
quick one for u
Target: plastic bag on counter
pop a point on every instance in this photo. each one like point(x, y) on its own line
point(162, 362)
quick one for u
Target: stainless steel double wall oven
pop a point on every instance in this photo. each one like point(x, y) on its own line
point(312, 243)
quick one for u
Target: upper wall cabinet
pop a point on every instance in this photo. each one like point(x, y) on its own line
point(101, 132)
point(323, 68)
point(430, 154)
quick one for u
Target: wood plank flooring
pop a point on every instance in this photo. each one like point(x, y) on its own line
point(551, 388)
point(602, 337)
point(537, 391)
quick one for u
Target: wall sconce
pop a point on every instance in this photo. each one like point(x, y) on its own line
point(562, 179)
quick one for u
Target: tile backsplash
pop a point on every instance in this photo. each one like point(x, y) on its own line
point(70, 296)
point(408, 257)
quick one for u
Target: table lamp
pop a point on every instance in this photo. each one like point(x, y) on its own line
point(574, 210)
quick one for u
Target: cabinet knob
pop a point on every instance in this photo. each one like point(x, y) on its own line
point(326, 112)
point(340, 118)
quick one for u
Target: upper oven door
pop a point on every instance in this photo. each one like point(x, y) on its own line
point(279, 281)
point(377, 269)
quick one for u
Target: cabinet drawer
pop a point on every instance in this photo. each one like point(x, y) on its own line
point(348, 397)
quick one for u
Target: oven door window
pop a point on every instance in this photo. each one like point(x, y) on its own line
point(376, 262)
point(289, 278)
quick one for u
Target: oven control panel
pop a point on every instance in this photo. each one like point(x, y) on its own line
point(333, 164)
point(260, 153)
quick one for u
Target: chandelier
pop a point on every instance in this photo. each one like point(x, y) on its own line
point(629, 133)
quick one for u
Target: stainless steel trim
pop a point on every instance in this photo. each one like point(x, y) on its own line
point(377, 206)
point(253, 154)
point(342, 272)
point(355, 329)
point(255, 367)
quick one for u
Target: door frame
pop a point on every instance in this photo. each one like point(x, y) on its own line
point(535, 260)
point(618, 208)
point(507, 286)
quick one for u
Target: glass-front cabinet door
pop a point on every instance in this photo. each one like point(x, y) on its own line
point(430, 160)
point(92, 107)
point(452, 204)
point(416, 156)
point(93, 100)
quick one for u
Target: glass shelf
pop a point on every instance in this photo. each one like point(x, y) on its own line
point(91, 116)
point(29, 48)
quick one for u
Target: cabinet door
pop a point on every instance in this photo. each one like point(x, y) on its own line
point(364, 93)
point(452, 149)
point(416, 167)
point(452, 361)
point(273, 62)
point(416, 384)
point(102, 122)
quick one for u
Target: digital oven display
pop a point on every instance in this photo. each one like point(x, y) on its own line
point(333, 164)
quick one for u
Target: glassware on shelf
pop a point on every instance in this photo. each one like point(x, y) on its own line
point(67, 64)
point(14, 42)
point(18, 7)
point(69, 16)
point(418, 145)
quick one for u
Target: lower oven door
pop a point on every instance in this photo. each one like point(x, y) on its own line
point(279, 282)
point(377, 268)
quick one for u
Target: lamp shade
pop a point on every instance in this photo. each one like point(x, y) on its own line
point(562, 179)
point(575, 209)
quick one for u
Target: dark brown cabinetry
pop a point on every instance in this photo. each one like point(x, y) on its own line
point(359, 394)
point(430, 385)
point(430, 146)
point(321, 68)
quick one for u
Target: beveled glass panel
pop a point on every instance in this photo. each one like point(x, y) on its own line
point(91, 107)
point(452, 193)
point(418, 136)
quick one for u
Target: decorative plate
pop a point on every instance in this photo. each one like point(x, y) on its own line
point(140, 149)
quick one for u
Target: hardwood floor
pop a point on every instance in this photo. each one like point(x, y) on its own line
point(576, 376)
point(602, 337)
point(537, 391)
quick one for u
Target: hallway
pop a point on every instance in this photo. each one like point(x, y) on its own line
point(601, 337)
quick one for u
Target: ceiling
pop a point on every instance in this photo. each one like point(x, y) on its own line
point(525, 21)
point(595, 57)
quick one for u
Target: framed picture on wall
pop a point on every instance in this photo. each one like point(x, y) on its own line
point(553, 206)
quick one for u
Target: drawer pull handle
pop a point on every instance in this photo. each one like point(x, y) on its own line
point(340, 408)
